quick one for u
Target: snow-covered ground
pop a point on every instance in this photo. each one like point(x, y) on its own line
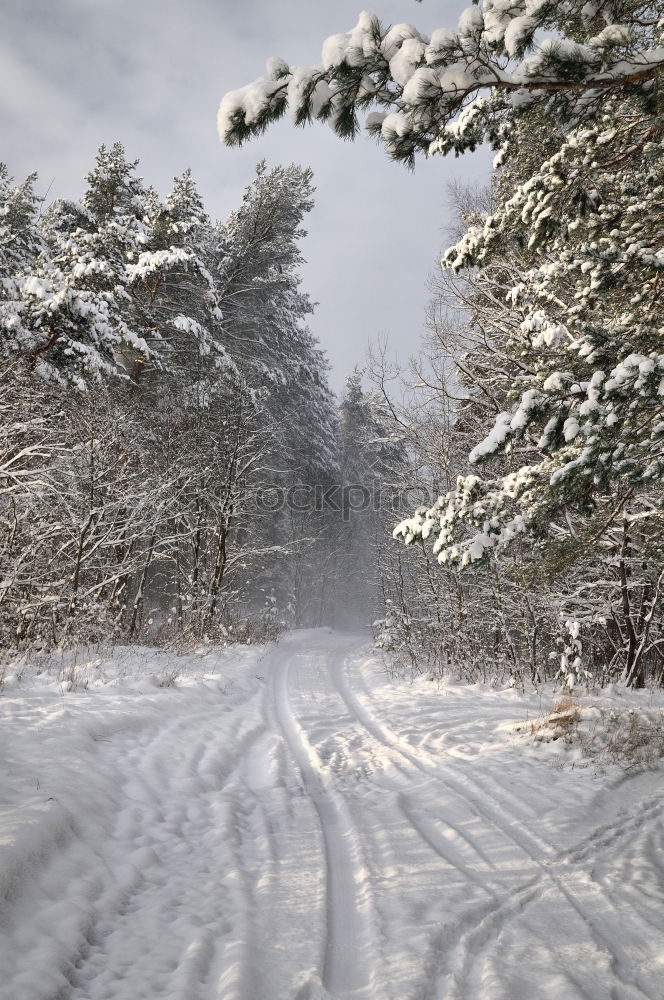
point(288, 824)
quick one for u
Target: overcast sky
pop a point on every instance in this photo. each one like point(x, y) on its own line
point(76, 73)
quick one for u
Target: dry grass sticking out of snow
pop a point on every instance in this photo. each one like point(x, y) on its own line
point(615, 727)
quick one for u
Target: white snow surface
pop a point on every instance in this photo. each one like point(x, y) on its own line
point(287, 823)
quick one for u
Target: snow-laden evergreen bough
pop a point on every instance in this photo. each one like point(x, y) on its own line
point(459, 86)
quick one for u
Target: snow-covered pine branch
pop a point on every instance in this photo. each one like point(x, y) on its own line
point(459, 87)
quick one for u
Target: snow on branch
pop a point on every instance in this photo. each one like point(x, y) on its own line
point(423, 86)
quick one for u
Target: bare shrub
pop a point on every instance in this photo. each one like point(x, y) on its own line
point(629, 738)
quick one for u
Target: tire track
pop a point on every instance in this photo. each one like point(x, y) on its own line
point(298, 847)
point(165, 843)
point(530, 845)
point(347, 962)
point(390, 742)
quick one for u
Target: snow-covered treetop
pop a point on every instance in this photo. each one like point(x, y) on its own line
point(19, 240)
point(451, 90)
point(113, 187)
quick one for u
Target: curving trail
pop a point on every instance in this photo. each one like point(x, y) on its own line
point(305, 829)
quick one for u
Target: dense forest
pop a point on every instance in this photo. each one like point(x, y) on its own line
point(167, 425)
point(174, 465)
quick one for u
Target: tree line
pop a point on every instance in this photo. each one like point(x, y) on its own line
point(157, 380)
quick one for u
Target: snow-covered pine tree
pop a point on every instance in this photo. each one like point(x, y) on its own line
point(583, 328)
point(264, 327)
point(373, 459)
point(265, 310)
point(75, 299)
point(20, 245)
point(20, 241)
point(171, 288)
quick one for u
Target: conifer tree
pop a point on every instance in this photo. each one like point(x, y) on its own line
point(76, 299)
point(20, 246)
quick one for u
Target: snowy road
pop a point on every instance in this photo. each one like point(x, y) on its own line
point(297, 827)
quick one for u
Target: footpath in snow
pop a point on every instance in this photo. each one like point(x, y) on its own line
point(288, 824)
